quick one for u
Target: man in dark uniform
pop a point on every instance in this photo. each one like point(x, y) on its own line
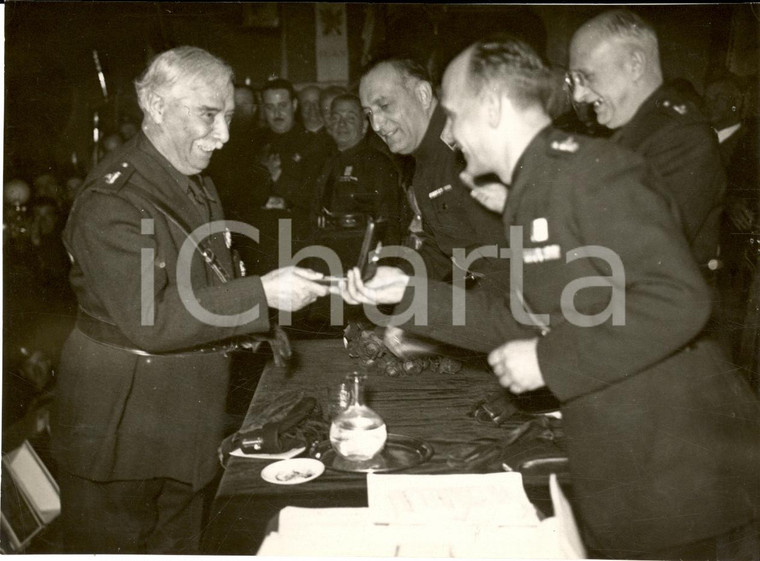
point(141, 390)
point(357, 182)
point(398, 97)
point(316, 128)
point(663, 439)
point(615, 67)
point(293, 158)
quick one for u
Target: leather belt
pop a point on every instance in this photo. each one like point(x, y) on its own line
point(111, 336)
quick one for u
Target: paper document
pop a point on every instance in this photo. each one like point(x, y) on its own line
point(352, 532)
point(494, 499)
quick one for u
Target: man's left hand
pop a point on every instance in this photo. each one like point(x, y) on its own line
point(516, 365)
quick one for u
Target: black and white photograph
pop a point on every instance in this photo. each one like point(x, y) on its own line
point(419, 280)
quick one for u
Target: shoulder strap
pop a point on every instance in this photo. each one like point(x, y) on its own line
point(208, 255)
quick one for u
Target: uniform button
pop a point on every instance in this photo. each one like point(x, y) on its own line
point(148, 361)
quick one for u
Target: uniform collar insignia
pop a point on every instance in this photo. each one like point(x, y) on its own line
point(568, 145)
point(112, 177)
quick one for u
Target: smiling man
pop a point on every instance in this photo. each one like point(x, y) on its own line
point(143, 379)
point(663, 438)
point(397, 96)
point(357, 182)
point(615, 67)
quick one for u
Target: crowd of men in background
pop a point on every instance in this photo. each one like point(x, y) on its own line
point(312, 156)
point(329, 160)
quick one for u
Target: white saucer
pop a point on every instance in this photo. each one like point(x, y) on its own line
point(292, 472)
point(279, 456)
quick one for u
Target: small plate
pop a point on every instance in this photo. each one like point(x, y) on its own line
point(237, 452)
point(292, 472)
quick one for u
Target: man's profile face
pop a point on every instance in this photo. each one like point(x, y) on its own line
point(394, 111)
point(308, 101)
point(195, 122)
point(279, 110)
point(349, 124)
point(466, 122)
point(601, 77)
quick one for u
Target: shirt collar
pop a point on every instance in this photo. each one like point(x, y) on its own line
point(429, 144)
point(185, 183)
point(725, 134)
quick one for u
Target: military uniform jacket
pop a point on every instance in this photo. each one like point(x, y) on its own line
point(662, 435)
point(449, 214)
point(121, 415)
point(678, 142)
point(360, 180)
point(301, 155)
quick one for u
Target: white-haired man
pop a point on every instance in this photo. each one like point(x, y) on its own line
point(141, 389)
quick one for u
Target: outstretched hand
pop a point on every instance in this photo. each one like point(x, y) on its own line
point(386, 287)
point(292, 288)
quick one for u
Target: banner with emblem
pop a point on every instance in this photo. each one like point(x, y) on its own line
point(331, 42)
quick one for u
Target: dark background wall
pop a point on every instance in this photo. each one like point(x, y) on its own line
point(52, 92)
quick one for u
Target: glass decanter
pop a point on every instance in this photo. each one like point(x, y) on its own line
point(358, 433)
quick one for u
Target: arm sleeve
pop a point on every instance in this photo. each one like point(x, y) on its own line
point(107, 244)
point(688, 162)
point(488, 322)
point(666, 301)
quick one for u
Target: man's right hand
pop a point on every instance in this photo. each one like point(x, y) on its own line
point(292, 288)
point(491, 195)
point(274, 165)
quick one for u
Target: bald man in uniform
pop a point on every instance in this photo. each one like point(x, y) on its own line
point(663, 439)
point(615, 67)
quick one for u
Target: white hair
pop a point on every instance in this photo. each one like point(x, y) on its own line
point(180, 63)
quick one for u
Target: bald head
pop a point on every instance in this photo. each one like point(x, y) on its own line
point(615, 65)
point(494, 94)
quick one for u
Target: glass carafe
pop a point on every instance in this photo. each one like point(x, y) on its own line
point(358, 433)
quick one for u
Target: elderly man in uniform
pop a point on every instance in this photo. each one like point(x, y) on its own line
point(398, 97)
point(615, 67)
point(663, 439)
point(293, 158)
point(143, 376)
